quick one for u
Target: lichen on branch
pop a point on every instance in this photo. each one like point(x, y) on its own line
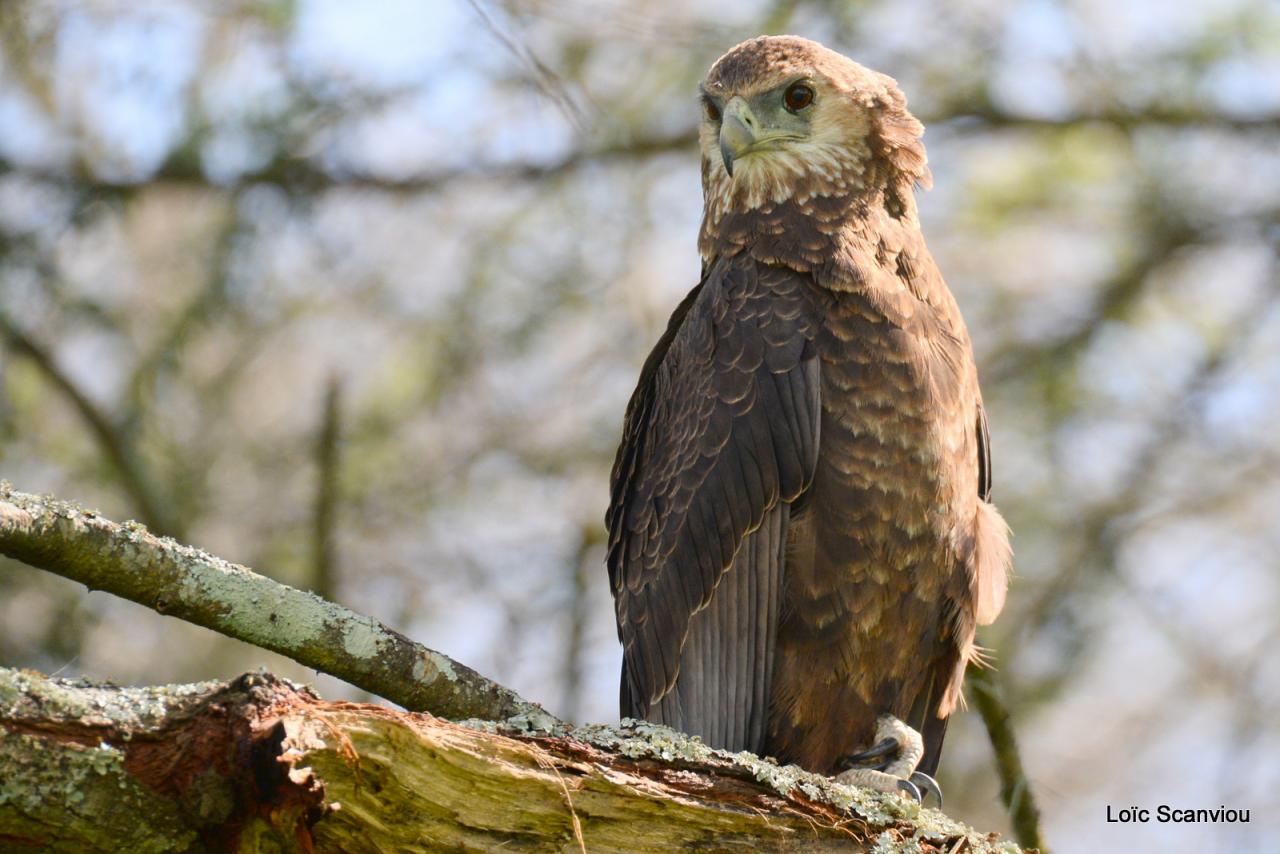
point(263, 764)
point(184, 582)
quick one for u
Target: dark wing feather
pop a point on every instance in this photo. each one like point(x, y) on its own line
point(984, 455)
point(720, 436)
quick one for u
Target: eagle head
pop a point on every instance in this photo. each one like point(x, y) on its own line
point(786, 119)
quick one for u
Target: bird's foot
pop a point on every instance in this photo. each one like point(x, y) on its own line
point(899, 749)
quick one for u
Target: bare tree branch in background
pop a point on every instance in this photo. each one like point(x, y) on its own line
point(1100, 534)
point(577, 619)
point(1015, 788)
point(548, 82)
point(115, 444)
point(325, 518)
point(301, 176)
point(1157, 235)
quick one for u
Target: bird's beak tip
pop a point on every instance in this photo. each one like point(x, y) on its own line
point(736, 134)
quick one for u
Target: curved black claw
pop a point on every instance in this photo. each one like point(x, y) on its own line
point(928, 785)
point(885, 748)
point(910, 788)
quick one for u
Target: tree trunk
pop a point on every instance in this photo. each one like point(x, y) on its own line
point(261, 764)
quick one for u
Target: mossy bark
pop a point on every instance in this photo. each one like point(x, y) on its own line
point(184, 582)
point(261, 764)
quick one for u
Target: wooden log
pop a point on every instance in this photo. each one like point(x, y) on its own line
point(261, 764)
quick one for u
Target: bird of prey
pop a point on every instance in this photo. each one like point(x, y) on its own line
point(801, 538)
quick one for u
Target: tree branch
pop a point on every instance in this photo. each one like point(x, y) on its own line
point(260, 764)
point(1015, 788)
point(325, 517)
point(987, 115)
point(101, 768)
point(300, 175)
point(192, 585)
point(111, 439)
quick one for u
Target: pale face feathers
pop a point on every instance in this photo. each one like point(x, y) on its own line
point(823, 149)
point(819, 151)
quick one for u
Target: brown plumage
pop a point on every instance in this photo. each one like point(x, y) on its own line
point(800, 534)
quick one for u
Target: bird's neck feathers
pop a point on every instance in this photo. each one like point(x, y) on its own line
point(818, 206)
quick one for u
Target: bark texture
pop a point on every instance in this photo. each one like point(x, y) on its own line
point(261, 764)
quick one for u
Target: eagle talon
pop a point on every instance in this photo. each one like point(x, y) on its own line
point(885, 748)
point(927, 785)
point(900, 749)
point(912, 790)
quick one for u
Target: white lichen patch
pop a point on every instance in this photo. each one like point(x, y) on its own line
point(360, 638)
point(533, 721)
point(431, 666)
point(888, 843)
point(445, 666)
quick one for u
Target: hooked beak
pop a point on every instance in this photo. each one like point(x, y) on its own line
point(737, 132)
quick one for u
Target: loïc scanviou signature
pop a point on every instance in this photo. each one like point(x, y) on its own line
point(1165, 814)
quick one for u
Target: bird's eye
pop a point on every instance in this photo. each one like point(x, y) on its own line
point(797, 97)
point(712, 111)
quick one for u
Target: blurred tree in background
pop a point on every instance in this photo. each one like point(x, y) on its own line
point(356, 293)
